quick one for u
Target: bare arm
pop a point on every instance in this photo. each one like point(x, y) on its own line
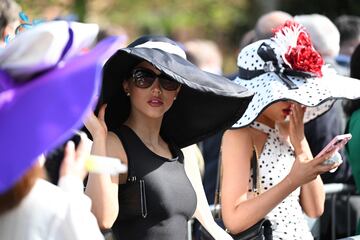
point(203, 212)
point(240, 210)
point(312, 196)
point(102, 188)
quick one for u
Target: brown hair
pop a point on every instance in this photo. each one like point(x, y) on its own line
point(12, 197)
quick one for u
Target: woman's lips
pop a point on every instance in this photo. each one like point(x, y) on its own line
point(287, 111)
point(155, 102)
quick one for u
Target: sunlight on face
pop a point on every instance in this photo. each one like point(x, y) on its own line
point(152, 102)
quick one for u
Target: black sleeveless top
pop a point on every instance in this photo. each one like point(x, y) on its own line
point(158, 199)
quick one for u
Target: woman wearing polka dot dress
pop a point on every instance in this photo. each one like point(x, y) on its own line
point(292, 86)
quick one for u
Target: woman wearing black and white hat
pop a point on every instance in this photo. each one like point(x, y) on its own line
point(291, 86)
point(157, 102)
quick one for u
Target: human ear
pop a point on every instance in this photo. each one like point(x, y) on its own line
point(125, 85)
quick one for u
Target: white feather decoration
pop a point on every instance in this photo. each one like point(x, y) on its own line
point(286, 37)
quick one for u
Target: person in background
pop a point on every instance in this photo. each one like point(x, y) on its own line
point(9, 20)
point(156, 103)
point(31, 207)
point(349, 28)
point(319, 132)
point(247, 38)
point(288, 92)
point(263, 29)
point(207, 56)
point(324, 34)
point(268, 22)
point(352, 109)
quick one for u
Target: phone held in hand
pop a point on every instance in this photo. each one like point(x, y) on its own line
point(336, 143)
point(55, 157)
point(93, 163)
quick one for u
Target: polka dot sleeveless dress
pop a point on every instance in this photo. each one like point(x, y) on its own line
point(274, 164)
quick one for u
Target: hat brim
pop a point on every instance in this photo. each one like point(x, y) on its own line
point(317, 94)
point(37, 116)
point(207, 103)
point(44, 46)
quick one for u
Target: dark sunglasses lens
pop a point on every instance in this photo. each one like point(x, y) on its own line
point(143, 79)
point(169, 84)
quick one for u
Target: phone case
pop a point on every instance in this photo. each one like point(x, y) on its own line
point(337, 143)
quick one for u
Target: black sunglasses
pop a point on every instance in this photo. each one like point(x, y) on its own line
point(144, 78)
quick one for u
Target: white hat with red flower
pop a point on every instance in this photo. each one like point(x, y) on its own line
point(288, 68)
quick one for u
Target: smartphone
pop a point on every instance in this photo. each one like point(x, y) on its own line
point(96, 164)
point(54, 158)
point(336, 143)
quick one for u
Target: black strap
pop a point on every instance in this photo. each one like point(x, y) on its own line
point(217, 190)
point(254, 167)
point(122, 133)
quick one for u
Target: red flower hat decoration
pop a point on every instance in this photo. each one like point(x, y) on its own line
point(298, 51)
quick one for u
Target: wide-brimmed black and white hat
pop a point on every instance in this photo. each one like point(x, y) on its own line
point(207, 103)
point(288, 68)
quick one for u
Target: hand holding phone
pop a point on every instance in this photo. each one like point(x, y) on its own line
point(55, 158)
point(91, 163)
point(336, 144)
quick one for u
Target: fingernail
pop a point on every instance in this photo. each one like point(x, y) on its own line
point(82, 135)
point(70, 144)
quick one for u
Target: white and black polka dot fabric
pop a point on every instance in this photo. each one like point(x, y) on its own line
point(274, 164)
point(318, 94)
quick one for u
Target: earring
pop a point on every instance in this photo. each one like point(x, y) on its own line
point(127, 94)
point(174, 98)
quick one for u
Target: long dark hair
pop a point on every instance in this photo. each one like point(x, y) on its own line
point(353, 105)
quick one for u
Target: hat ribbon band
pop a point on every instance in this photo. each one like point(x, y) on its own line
point(65, 51)
point(68, 44)
point(9, 84)
point(267, 54)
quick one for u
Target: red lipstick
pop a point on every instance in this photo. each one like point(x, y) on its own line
point(155, 102)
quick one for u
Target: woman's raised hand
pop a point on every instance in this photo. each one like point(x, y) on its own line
point(305, 170)
point(97, 125)
point(74, 159)
point(296, 126)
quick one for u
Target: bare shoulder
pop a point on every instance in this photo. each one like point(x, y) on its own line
point(239, 135)
point(115, 148)
point(236, 144)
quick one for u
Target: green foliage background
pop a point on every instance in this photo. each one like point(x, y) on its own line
point(223, 21)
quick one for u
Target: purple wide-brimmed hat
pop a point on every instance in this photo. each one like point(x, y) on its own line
point(43, 102)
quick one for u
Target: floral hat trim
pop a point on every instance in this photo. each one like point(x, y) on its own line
point(298, 52)
point(286, 67)
point(298, 57)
